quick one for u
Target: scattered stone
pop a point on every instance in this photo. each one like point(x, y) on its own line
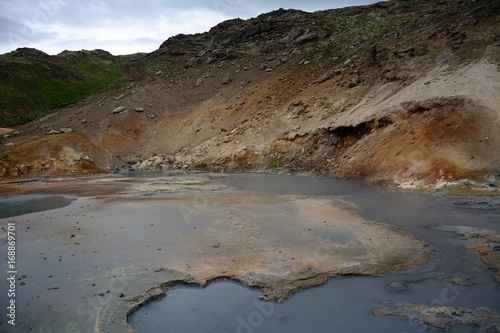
point(159, 72)
point(10, 144)
point(269, 70)
point(354, 82)
point(226, 80)
point(263, 66)
point(54, 132)
point(117, 98)
point(84, 121)
point(198, 82)
point(119, 109)
point(139, 109)
point(65, 130)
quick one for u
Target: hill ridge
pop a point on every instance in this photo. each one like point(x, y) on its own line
point(400, 93)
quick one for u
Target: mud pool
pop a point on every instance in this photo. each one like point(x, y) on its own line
point(107, 257)
point(20, 205)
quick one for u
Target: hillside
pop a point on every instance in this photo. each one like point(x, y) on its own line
point(403, 93)
point(32, 82)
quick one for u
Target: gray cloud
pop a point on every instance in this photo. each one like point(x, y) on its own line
point(125, 26)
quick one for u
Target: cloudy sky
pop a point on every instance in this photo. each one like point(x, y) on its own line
point(126, 26)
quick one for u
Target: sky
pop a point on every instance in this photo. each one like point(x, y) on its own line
point(126, 26)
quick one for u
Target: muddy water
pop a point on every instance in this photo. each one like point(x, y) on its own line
point(346, 304)
point(26, 204)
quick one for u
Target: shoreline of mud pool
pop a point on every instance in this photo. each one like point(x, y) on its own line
point(124, 239)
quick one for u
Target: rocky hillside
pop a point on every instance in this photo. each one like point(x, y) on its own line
point(32, 82)
point(402, 93)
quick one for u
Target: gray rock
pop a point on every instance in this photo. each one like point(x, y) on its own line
point(198, 82)
point(226, 80)
point(117, 98)
point(54, 132)
point(354, 82)
point(65, 130)
point(119, 109)
point(10, 144)
point(306, 37)
point(159, 72)
point(263, 66)
point(139, 109)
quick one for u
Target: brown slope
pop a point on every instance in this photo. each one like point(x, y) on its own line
point(415, 107)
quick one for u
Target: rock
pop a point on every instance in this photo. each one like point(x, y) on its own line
point(354, 82)
point(347, 62)
point(152, 163)
point(198, 82)
point(54, 132)
point(9, 144)
point(226, 80)
point(139, 109)
point(306, 37)
point(263, 66)
point(6, 136)
point(269, 69)
point(296, 52)
point(65, 130)
point(119, 109)
point(159, 72)
point(117, 98)
point(84, 121)
point(24, 169)
point(324, 77)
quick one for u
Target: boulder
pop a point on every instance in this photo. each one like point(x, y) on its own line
point(152, 163)
point(119, 109)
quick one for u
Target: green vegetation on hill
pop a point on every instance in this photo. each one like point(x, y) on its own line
point(32, 82)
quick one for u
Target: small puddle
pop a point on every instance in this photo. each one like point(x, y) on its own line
point(26, 204)
point(215, 308)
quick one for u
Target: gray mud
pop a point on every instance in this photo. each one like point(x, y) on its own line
point(457, 278)
point(88, 266)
